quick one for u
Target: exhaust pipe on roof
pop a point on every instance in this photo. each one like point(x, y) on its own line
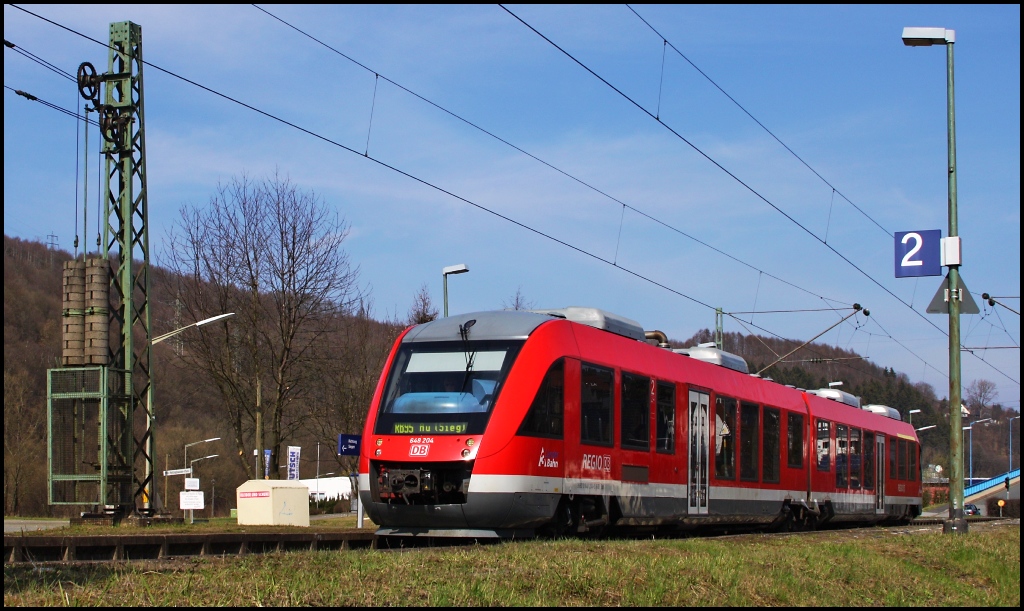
point(657, 335)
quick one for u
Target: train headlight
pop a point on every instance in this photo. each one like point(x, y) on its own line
point(379, 441)
point(377, 453)
point(470, 442)
point(465, 453)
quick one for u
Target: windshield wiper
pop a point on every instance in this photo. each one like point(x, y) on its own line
point(470, 355)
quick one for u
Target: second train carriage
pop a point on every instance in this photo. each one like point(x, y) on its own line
point(512, 423)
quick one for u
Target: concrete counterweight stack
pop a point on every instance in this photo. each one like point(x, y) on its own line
point(97, 313)
point(86, 312)
point(73, 314)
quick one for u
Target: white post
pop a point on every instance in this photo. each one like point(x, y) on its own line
point(359, 504)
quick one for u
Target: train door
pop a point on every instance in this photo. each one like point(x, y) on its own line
point(880, 474)
point(698, 437)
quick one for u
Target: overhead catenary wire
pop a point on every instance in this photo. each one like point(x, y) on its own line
point(483, 130)
point(381, 163)
point(422, 181)
point(789, 311)
point(808, 348)
point(42, 62)
point(740, 321)
point(755, 119)
point(415, 178)
point(70, 113)
point(740, 181)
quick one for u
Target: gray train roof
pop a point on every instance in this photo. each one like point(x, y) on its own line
point(519, 324)
point(500, 324)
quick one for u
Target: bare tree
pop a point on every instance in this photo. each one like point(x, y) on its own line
point(272, 254)
point(518, 301)
point(423, 309)
point(350, 367)
point(23, 444)
point(980, 395)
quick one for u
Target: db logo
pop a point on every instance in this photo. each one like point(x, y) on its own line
point(419, 449)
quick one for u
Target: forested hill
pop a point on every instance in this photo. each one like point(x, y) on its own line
point(32, 327)
point(191, 408)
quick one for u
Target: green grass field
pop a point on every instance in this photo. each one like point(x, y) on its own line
point(913, 566)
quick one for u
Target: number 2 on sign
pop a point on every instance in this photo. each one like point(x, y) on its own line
point(908, 259)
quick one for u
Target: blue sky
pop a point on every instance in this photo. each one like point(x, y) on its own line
point(834, 83)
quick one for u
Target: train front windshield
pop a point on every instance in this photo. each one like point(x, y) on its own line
point(444, 388)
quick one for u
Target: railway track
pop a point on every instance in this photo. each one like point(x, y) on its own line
point(36, 549)
point(133, 547)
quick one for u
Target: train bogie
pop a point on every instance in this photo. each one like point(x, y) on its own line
point(567, 422)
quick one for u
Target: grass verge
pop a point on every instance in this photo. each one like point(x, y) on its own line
point(867, 567)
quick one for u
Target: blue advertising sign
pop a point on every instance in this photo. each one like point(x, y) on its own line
point(348, 445)
point(266, 464)
point(918, 253)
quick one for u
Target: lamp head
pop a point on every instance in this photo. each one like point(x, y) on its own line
point(924, 37)
point(455, 269)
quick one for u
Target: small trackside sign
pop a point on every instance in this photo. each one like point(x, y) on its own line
point(185, 471)
point(259, 494)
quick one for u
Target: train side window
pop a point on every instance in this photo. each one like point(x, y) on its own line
point(749, 414)
point(795, 438)
point(855, 458)
point(772, 455)
point(869, 461)
point(545, 418)
point(665, 431)
point(901, 460)
point(824, 436)
point(915, 473)
point(725, 438)
point(892, 458)
point(597, 385)
point(842, 464)
point(636, 412)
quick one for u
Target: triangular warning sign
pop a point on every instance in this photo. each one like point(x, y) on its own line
point(940, 302)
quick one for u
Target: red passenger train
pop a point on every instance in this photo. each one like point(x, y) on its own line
point(515, 423)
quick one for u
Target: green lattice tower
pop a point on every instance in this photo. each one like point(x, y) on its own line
point(126, 246)
point(107, 398)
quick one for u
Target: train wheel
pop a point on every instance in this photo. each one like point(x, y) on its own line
point(563, 524)
point(791, 520)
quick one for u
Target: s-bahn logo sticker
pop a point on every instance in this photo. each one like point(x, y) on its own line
point(548, 459)
point(419, 449)
point(597, 462)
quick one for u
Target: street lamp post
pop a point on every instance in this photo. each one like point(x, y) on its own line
point(317, 493)
point(970, 436)
point(191, 512)
point(151, 442)
point(1010, 426)
point(911, 413)
point(448, 271)
point(920, 37)
point(205, 321)
point(189, 445)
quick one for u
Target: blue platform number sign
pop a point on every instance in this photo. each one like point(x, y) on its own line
point(918, 253)
point(348, 445)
